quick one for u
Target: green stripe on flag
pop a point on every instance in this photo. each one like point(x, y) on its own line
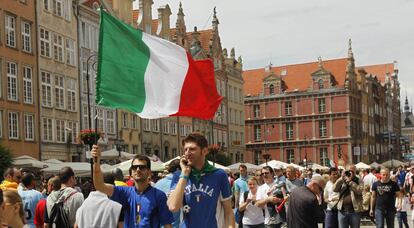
point(123, 60)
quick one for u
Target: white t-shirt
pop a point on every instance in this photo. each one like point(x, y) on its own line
point(406, 205)
point(262, 194)
point(98, 211)
point(369, 179)
point(253, 214)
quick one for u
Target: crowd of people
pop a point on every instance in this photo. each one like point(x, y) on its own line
point(193, 193)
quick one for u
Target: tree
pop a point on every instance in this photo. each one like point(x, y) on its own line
point(6, 159)
point(221, 158)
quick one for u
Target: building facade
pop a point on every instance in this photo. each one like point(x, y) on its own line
point(58, 78)
point(317, 112)
point(19, 113)
point(407, 126)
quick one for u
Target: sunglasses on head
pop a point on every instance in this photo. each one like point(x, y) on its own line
point(140, 167)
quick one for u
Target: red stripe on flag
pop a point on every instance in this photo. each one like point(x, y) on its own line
point(199, 97)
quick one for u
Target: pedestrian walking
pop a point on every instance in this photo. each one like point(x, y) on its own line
point(402, 205)
point(30, 197)
point(305, 205)
point(331, 198)
point(199, 187)
point(146, 205)
point(384, 193)
point(252, 215)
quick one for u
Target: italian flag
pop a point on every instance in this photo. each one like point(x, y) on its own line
point(151, 76)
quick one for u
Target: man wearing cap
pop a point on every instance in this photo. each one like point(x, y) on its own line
point(305, 204)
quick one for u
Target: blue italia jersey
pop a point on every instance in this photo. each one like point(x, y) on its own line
point(145, 210)
point(240, 185)
point(201, 199)
point(30, 199)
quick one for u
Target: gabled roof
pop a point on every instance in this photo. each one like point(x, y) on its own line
point(297, 77)
point(205, 36)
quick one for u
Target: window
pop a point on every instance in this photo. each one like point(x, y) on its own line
point(288, 108)
point(58, 47)
point(47, 129)
point(12, 81)
point(27, 85)
point(29, 127)
point(100, 116)
point(289, 130)
point(44, 42)
point(320, 83)
point(1, 124)
point(322, 105)
point(13, 125)
point(59, 92)
point(70, 52)
point(257, 133)
point(57, 7)
point(110, 121)
point(46, 4)
point(66, 9)
point(240, 96)
point(72, 134)
point(60, 130)
point(134, 149)
point(166, 127)
point(173, 128)
point(231, 120)
point(271, 89)
point(322, 128)
point(134, 121)
point(147, 125)
point(46, 89)
point(257, 156)
point(188, 129)
point(10, 31)
point(256, 111)
point(323, 154)
point(26, 38)
point(124, 120)
point(290, 156)
point(71, 93)
point(230, 93)
point(155, 125)
point(182, 130)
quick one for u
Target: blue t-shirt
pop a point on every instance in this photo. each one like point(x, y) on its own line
point(240, 185)
point(200, 199)
point(30, 199)
point(152, 206)
point(165, 185)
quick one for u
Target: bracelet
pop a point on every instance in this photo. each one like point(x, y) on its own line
point(185, 177)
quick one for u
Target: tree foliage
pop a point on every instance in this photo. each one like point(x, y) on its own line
point(6, 159)
point(221, 158)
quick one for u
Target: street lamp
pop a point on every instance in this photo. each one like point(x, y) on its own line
point(266, 157)
point(120, 146)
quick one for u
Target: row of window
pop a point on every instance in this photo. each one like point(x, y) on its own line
point(14, 123)
point(237, 137)
point(236, 116)
point(58, 47)
point(12, 33)
point(60, 8)
point(289, 132)
point(290, 156)
point(19, 82)
point(57, 130)
point(289, 108)
point(63, 88)
point(106, 119)
point(235, 94)
point(169, 127)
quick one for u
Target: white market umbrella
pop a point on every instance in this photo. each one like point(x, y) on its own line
point(362, 165)
point(375, 165)
point(217, 165)
point(80, 168)
point(276, 164)
point(125, 165)
point(53, 161)
point(113, 154)
point(250, 167)
point(317, 166)
point(393, 163)
point(298, 167)
point(28, 162)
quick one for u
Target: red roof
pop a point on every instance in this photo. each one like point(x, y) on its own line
point(205, 36)
point(380, 70)
point(297, 76)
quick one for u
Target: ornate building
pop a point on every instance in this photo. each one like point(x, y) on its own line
point(407, 124)
point(19, 113)
point(320, 111)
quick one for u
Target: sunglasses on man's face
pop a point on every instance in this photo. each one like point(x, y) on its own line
point(140, 167)
point(265, 173)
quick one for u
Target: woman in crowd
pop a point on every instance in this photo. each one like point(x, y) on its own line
point(13, 213)
point(253, 215)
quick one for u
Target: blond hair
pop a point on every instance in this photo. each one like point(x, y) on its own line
point(12, 197)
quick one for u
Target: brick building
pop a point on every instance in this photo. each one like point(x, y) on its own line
point(320, 111)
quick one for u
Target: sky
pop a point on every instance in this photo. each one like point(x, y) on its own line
point(298, 31)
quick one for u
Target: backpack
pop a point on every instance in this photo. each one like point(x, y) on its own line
point(58, 216)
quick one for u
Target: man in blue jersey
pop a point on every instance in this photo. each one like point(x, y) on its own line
point(30, 197)
point(144, 205)
point(199, 188)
